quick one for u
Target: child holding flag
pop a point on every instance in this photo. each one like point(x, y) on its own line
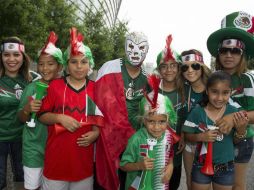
point(72, 119)
point(34, 139)
point(200, 127)
point(148, 158)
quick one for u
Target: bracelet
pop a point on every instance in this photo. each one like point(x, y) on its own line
point(26, 112)
point(239, 136)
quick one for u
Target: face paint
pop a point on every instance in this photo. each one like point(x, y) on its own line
point(136, 48)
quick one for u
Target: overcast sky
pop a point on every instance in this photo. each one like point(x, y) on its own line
point(189, 21)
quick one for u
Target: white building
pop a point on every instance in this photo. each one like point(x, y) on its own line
point(110, 8)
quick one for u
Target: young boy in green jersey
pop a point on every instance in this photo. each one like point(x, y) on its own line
point(148, 158)
point(34, 138)
point(168, 66)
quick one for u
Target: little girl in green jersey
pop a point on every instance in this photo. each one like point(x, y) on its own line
point(200, 128)
point(34, 139)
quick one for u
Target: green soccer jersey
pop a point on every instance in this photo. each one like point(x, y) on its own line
point(223, 150)
point(133, 90)
point(34, 139)
point(10, 92)
point(176, 101)
point(242, 95)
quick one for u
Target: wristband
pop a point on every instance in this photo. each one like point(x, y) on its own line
point(240, 136)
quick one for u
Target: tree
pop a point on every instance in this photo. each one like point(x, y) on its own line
point(32, 20)
point(106, 43)
point(97, 37)
point(61, 18)
point(118, 35)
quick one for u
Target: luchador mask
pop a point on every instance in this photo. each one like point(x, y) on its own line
point(136, 48)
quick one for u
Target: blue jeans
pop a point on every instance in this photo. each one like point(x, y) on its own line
point(223, 176)
point(14, 149)
point(243, 150)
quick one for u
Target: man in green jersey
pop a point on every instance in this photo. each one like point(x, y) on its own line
point(119, 90)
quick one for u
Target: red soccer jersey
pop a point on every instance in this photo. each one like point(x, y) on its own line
point(64, 159)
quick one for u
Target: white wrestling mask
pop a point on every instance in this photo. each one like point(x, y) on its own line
point(136, 48)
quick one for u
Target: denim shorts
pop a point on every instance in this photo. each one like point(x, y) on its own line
point(223, 176)
point(243, 150)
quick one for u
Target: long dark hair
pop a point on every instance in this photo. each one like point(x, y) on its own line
point(24, 69)
point(217, 76)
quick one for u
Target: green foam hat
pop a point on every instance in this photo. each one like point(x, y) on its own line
point(168, 53)
point(51, 49)
point(77, 47)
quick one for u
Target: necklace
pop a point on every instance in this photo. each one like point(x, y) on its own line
point(220, 136)
point(64, 99)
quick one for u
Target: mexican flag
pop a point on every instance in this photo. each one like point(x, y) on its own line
point(93, 116)
point(117, 130)
point(202, 127)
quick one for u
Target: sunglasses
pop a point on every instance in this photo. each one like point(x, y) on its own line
point(194, 66)
point(225, 50)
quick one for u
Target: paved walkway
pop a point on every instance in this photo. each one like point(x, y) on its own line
point(250, 178)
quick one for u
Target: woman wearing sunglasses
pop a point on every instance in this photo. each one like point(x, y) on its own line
point(232, 46)
point(194, 74)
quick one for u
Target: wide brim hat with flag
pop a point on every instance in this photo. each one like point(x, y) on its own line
point(77, 47)
point(168, 53)
point(237, 25)
point(51, 49)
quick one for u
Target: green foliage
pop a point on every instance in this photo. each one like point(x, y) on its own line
point(97, 37)
point(118, 34)
point(106, 43)
point(32, 20)
point(60, 19)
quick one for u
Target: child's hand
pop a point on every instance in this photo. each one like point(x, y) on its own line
point(35, 106)
point(181, 145)
point(146, 164)
point(68, 122)
point(167, 173)
point(209, 135)
point(225, 124)
point(88, 138)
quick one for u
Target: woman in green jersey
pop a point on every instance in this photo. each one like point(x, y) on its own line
point(194, 74)
point(232, 46)
point(14, 76)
